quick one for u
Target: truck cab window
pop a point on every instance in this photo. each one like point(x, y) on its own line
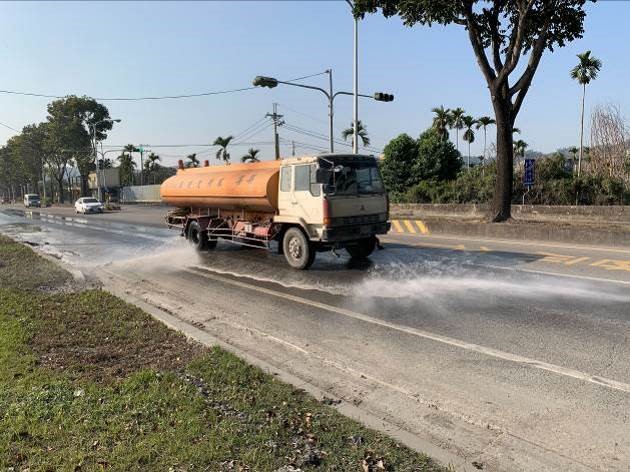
point(302, 178)
point(285, 179)
point(316, 189)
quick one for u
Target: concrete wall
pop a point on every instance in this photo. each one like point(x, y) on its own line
point(577, 214)
point(140, 194)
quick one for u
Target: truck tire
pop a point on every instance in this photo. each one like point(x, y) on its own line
point(196, 237)
point(363, 248)
point(298, 251)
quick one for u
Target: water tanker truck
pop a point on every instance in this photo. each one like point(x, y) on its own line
point(304, 204)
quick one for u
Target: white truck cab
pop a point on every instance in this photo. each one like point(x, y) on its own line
point(338, 200)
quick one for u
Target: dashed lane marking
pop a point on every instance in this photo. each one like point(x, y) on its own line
point(507, 356)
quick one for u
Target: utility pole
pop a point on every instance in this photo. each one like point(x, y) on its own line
point(293, 148)
point(276, 122)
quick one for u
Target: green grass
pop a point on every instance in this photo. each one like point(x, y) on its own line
point(88, 382)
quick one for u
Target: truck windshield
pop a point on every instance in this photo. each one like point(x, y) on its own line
point(357, 179)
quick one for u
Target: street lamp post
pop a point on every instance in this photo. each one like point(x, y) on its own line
point(270, 82)
point(107, 120)
point(355, 106)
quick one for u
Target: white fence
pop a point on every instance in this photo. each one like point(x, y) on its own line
point(140, 194)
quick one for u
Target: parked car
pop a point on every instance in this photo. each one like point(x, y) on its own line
point(32, 200)
point(88, 205)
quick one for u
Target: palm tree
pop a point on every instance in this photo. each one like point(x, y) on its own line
point(107, 163)
point(441, 121)
point(251, 156)
point(469, 135)
point(127, 166)
point(456, 122)
point(192, 160)
point(222, 153)
point(519, 148)
point(516, 130)
point(153, 162)
point(361, 131)
point(484, 122)
point(584, 72)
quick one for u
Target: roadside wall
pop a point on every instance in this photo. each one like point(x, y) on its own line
point(140, 194)
point(575, 214)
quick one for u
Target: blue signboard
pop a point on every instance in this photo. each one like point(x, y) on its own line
point(529, 174)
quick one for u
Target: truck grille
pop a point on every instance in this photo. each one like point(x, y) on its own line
point(358, 219)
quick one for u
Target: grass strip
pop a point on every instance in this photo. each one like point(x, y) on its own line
point(89, 382)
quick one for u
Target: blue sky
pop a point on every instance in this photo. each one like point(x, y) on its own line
point(144, 48)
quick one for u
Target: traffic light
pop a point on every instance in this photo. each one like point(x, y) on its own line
point(261, 81)
point(383, 97)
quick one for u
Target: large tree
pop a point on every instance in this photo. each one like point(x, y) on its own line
point(82, 113)
point(437, 158)
point(501, 32)
point(397, 166)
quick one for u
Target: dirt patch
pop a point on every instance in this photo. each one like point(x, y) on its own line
point(96, 336)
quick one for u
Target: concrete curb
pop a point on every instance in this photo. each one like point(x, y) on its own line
point(532, 231)
point(413, 441)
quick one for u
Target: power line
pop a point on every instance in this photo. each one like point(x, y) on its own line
point(301, 113)
point(165, 97)
point(10, 127)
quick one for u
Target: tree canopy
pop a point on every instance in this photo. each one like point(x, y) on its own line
point(500, 32)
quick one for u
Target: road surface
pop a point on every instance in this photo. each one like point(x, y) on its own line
point(504, 355)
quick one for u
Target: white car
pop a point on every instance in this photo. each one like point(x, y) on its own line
point(88, 205)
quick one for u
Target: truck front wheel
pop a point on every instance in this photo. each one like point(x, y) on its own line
point(199, 238)
point(363, 248)
point(297, 249)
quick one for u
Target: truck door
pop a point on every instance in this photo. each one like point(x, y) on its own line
point(306, 195)
point(285, 196)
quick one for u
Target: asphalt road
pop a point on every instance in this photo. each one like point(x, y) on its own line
point(508, 354)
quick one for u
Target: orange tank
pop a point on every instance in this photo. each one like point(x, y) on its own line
point(248, 187)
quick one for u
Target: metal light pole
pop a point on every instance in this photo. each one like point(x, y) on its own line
point(355, 107)
point(108, 120)
point(270, 82)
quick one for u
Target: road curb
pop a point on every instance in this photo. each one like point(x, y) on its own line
point(413, 441)
point(524, 231)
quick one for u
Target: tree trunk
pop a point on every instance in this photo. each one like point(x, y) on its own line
point(501, 204)
point(61, 192)
point(581, 132)
point(84, 186)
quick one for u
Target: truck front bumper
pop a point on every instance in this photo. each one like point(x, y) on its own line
point(354, 232)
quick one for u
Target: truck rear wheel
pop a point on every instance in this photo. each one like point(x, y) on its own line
point(298, 251)
point(199, 238)
point(363, 248)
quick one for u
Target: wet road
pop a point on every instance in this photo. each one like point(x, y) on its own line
point(513, 355)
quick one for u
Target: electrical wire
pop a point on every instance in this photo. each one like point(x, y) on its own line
point(165, 97)
point(10, 127)
point(301, 113)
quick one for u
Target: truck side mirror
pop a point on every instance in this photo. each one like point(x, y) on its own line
point(322, 176)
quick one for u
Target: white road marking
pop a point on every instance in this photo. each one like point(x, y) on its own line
point(557, 274)
point(507, 356)
point(511, 242)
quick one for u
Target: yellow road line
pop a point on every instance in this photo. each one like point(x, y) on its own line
point(612, 264)
point(409, 226)
point(397, 227)
point(577, 260)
